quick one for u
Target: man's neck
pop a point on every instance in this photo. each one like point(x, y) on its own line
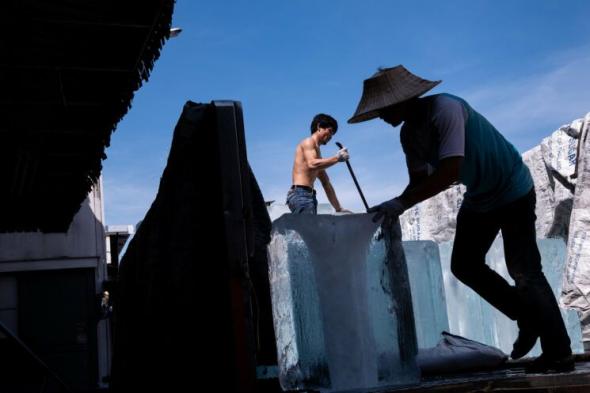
point(413, 110)
point(316, 139)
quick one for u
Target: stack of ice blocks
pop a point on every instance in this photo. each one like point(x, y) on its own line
point(341, 303)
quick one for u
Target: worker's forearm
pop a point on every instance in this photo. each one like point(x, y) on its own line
point(439, 181)
point(424, 187)
point(323, 163)
point(331, 194)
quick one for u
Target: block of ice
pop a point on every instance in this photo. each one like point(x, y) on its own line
point(472, 317)
point(469, 316)
point(428, 292)
point(341, 304)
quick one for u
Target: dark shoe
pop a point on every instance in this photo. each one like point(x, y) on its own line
point(544, 364)
point(524, 342)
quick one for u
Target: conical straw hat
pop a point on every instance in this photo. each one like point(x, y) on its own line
point(388, 87)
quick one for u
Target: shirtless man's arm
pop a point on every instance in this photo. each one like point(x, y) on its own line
point(308, 163)
point(330, 193)
point(313, 157)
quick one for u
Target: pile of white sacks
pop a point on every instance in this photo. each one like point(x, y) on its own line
point(560, 167)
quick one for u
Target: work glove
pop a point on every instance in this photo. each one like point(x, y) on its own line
point(392, 209)
point(343, 155)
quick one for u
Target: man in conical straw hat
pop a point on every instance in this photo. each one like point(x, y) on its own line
point(446, 141)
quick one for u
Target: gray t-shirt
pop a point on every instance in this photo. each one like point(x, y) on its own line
point(439, 134)
point(446, 126)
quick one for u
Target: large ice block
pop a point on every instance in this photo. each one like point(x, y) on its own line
point(469, 316)
point(341, 304)
point(472, 317)
point(428, 292)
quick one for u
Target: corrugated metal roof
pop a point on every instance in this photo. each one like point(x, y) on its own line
point(68, 73)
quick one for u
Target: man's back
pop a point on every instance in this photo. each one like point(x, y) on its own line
point(492, 170)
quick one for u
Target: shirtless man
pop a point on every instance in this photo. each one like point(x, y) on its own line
point(310, 165)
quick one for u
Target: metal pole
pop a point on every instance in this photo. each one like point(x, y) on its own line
point(356, 183)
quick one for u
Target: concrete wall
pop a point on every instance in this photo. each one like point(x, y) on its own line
point(82, 247)
point(84, 240)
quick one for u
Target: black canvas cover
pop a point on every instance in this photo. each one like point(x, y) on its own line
point(183, 308)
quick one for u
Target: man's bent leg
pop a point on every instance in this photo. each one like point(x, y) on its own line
point(538, 306)
point(473, 238)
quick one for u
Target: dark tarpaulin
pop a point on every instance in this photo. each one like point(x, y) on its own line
point(68, 72)
point(183, 308)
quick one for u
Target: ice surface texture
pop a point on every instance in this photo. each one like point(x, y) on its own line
point(428, 291)
point(341, 303)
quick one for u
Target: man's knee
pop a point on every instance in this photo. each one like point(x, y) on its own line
point(525, 280)
point(468, 269)
point(460, 269)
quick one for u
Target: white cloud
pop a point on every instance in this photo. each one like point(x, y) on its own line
point(531, 107)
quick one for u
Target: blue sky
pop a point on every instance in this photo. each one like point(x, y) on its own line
point(522, 64)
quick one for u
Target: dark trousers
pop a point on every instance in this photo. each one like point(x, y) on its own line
point(531, 300)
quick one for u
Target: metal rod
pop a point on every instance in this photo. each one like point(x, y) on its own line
point(356, 183)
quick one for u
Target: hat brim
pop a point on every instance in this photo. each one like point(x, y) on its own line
point(368, 108)
point(364, 116)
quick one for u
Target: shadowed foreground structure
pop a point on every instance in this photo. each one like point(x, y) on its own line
point(183, 307)
point(68, 72)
